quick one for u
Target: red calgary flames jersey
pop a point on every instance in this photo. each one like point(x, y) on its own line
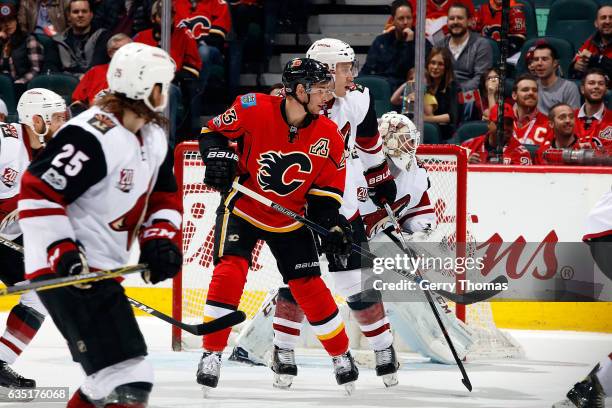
point(533, 129)
point(285, 169)
point(208, 17)
point(592, 130)
point(488, 21)
point(514, 152)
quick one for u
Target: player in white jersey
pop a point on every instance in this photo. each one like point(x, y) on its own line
point(103, 181)
point(593, 390)
point(41, 113)
point(367, 174)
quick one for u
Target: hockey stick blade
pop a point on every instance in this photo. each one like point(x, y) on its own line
point(464, 298)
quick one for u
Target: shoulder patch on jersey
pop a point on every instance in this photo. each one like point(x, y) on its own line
point(248, 100)
point(8, 130)
point(9, 177)
point(101, 122)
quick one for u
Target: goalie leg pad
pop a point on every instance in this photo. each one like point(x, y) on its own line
point(370, 316)
point(111, 382)
point(21, 326)
point(288, 320)
point(257, 334)
point(224, 292)
point(322, 313)
point(604, 375)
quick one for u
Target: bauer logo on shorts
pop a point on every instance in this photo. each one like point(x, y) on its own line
point(126, 180)
point(281, 173)
point(9, 177)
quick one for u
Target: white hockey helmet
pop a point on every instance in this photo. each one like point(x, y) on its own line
point(41, 102)
point(136, 68)
point(331, 51)
point(400, 136)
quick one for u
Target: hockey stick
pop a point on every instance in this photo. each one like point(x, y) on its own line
point(363, 252)
point(197, 329)
point(467, 298)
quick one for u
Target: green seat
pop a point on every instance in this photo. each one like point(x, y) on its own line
point(469, 130)
point(571, 20)
point(51, 58)
point(609, 99)
point(532, 148)
point(7, 93)
point(565, 51)
point(61, 84)
point(380, 89)
point(496, 51)
point(431, 133)
point(531, 20)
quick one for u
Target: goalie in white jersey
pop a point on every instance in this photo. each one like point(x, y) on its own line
point(82, 203)
point(41, 114)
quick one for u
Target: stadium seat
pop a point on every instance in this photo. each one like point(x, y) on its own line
point(609, 99)
point(496, 51)
point(564, 48)
point(469, 130)
point(62, 84)
point(379, 87)
point(51, 59)
point(532, 148)
point(571, 20)
point(431, 133)
point(530, 18)
point(7, 93)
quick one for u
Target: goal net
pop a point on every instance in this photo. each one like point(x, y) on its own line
point(447, 170)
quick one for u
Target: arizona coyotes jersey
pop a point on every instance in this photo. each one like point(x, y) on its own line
point(282, 166)
point(488, 21)
point(533, 129)
point(15, 156)
point(203, 18)
point(355, 116)
point(412, 198)
point(596, 129)
point(96, 182)
point(513, 152)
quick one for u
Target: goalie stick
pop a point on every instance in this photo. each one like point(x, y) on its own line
point(363, 252)
point(196, 329)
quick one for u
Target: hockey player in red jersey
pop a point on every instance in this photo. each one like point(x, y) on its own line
point(352, 109)
point(41, 114)
point(103, 181)
point(480, 148)
point(292, 155)
point(530, 125)
point(488, 23)
point(593, 119)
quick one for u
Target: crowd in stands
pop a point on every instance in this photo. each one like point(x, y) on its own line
point(212, 44)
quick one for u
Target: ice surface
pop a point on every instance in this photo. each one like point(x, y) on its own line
point(555, 361)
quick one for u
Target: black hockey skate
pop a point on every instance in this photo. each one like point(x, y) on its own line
point(10, 379)
point(585, 394)
point(209, 370)
point(387, 365)
point(283, 365)
point(240, 355)
point(346, 371)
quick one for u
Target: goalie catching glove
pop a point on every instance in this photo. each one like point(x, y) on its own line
point(221, 164)
point(159, 250)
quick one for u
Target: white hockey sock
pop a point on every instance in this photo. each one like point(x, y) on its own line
point(288, 321)
point(373, 324)
point(604, 375)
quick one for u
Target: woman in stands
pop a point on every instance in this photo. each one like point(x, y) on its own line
point(22, 55)
point(441, 84)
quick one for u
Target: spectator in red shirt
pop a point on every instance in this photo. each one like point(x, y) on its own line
point(530, 125)
point(94, 80)
point(481, 148)
point(594, 121)
point(596, 52)
point(488, 23)
point(562, 124)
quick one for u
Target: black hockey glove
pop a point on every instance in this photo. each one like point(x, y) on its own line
point(221, 164)
point(381, 185)
point(65, 258)
point(339, 239)
point(160, 251)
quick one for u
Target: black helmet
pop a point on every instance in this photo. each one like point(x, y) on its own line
point(304, 71)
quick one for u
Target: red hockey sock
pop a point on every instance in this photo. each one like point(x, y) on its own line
point(224, 292)
point(21, 326)
point(317, 302)
point(79, 400)
point(288, 320)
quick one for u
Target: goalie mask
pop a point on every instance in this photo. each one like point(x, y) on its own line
point(331, 51)
point(40, 102)
point(400, 137)
point(135, 70)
